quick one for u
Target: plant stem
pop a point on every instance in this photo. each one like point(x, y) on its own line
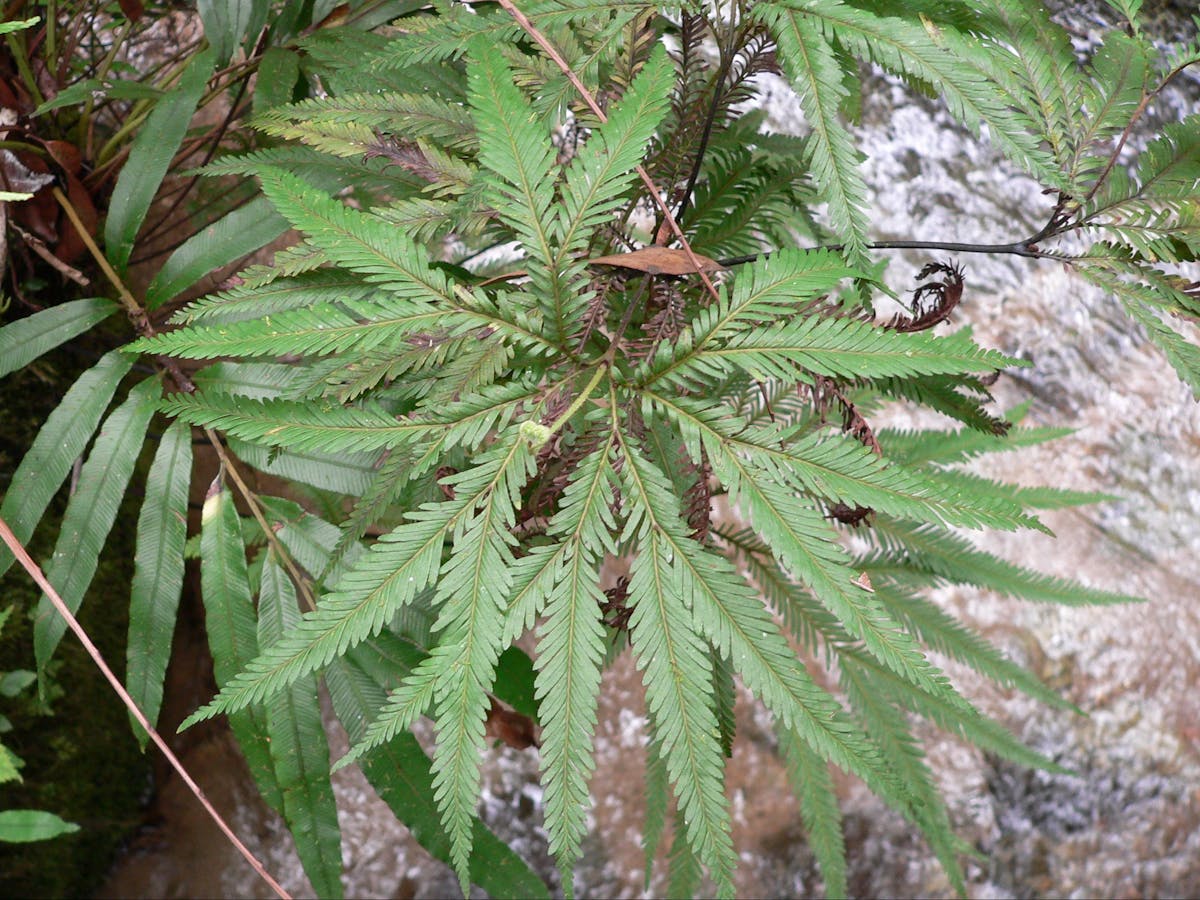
point(579, 401)
point(40, 579)
point(1019, 248)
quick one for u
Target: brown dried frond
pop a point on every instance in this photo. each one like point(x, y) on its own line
point(614, 613)
point(698, 499)
point(946, 293)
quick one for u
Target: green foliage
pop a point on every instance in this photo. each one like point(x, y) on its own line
point(477, 414)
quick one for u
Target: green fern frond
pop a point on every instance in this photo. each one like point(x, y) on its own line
point(427, 218)
point(842, 470)
point(887, 726)
point(819, 810)
point(1119, 78)
point(448, 34)
point(299, 425)
point(962, 399)
point(603, 169)
point(517, 160)
point(820, 345)
point(1145, 293)
point(939, 56)
point(253, 301)
point(815, 72)
point(745, 205)
point(962, 720)
point(316, 330)
point(295, 260)
point(1043, 59)
point(1168, 171)
point(365, 116)
point(949, 447)
point(676, 670)
point(768, 290)
point(472, 589)
point(588, 48)
point(807, 546)
point(570, 651)
point(946, 635)
point(402, 563)
point(932, 553)
point(355, 240)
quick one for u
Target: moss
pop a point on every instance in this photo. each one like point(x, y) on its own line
point(81, 761)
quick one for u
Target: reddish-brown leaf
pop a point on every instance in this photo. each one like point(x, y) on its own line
point(133, 9)
point(658, 261)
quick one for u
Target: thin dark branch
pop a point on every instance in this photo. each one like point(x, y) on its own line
point(1026, 248)
point(727, 55)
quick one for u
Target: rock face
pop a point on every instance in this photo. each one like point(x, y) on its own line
point(1127, 823)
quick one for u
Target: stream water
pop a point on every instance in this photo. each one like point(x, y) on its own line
point(1126, 825)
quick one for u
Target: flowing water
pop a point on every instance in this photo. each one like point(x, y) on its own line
point(1126, 824)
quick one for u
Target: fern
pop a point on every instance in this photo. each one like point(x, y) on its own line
point(478, 366)
point(813, 69)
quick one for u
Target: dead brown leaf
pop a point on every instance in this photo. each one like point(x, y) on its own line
point(658, 261)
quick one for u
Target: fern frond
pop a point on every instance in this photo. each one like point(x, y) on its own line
point(842, 470)
point(602, 171)
point(839, 348)
point(1168, 172)
point(297, 259)
point(962, 720)
point(298, 425)
point(364, 117)
point(807, 545)
point(888, 728)
point(930, 552)
point(402, 563)
point(282, 294)
point(768, 290)
point(949, 447)
point(908, 48)
point(359, 241)
point(427, 218)
point(745, 205)
point(814, 71)
point(471, 591)
point(819, 810)
point(1145, 292)
point(474, 368)
point(447, 35)
point(1119, 78)
point(676, 670)
point(589, 48)
point(317, 330)
point(517, 159)
point(570, 651)
point(950, 395)
point(1044, 60)
point(946, 635)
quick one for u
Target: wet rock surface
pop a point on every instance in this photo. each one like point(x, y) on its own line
point(1125, 824)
